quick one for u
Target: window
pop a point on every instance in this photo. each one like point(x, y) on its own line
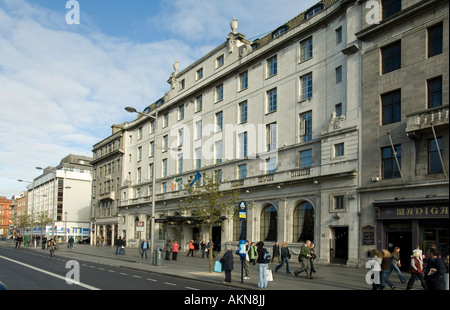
point(182, 84)
point(338, 74)
point(339, 35)
point(242, 169)
point(279, 31)
point(243, 80)
point(152, 126)
point(152, 149)
point(220, 61)
point(306, 49)
point(218, 175)
point(272, 100)
point(198, 103)
point(338, 202)
point(165, 143)
point(219, 93)
point(435, 40)
point(139, 175)
point(199, 74)
point(271, 165)
point(391, 107)
point(198, 158)
point(180, 163)
point(434, 160)
point(243, 145)
point(272, 66)
point(164, 167)
point(303, 222)
point(434, 88)
point(139, 156)
point(269, 223)
point(271, 137)
point(390, 7)
point(139, 135)
point(180, 137)
point(165, 120)
point(198, 130)
point(306, 127)
point(218, 148)
point(306, 86)
point(219, 121)
point(339, 150)
point(389, 164)
point(181, 112)
point(338, 109)
point(391, 56)
point(243, 112)
point(306, 159)
point(314, 10)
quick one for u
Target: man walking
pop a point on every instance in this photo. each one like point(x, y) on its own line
point(304, 259)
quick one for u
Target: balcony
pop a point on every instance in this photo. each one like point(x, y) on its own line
point(419, 122)
point(108, 196)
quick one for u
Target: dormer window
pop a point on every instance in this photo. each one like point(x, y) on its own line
point(279, 31)
point(314, 10)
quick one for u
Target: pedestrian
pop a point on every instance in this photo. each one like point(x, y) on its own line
point(435, 271)
point(395, 264)
point(253, 253)
point(304, 259)
point(44, 242)
point(144, 248)
point(375, 259)
point(168, 248)
point(227, 264)
point(246, 262)
point(386, 269)
point(119, 244)
point(203, 248)
point(416, 270)
point(276, 252)
point(175, 249)
point(262, 265)
point(285, 256)
point(70, 244)
point(191, 248)
point(97, 241)
point(102, 242)
point(19, 241)
point(313, 257)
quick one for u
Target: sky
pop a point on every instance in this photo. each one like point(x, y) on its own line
point(63, 85)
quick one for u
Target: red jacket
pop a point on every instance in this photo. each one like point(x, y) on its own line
point(417, 264)
point(175, 247)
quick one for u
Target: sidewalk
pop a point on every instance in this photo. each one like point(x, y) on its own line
point(327, 277)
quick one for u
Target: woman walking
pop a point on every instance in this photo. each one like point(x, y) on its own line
point(416, 269)
point(262, 265)
point(386, 270)
point(285, 256)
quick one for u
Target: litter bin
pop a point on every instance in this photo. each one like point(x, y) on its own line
point(158, 258)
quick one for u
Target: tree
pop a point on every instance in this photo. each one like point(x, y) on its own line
point(209, 205)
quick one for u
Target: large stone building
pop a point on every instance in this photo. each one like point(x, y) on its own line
point(5, 216)
point(287, 119)
point(405, 154)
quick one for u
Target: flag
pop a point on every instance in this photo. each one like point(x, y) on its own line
point(176, 180)
point(197, 177)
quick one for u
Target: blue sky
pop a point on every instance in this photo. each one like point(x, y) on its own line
point(63, 86)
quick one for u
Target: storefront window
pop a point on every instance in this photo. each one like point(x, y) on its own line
point(269, 224)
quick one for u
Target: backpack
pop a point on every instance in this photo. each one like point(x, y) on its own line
point(266, 257)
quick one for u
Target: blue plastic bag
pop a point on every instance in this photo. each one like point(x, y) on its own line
point(217, 266)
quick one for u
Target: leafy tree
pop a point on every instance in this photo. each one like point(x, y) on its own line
point(210, 205)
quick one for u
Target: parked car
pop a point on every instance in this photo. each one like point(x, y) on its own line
point(84, 241)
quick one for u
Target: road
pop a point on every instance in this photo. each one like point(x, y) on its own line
point(24, 269)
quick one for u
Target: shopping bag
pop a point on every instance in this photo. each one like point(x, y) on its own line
point(217, 266)
point(269, 275)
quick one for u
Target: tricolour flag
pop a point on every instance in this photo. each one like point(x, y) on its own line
point(176, 180)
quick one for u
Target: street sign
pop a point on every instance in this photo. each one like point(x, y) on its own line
point(242, 211)
point(140, 226)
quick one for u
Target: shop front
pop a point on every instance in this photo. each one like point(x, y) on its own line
point(405, 223)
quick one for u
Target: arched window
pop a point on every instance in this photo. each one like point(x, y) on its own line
point(269, 223)
point(303, 222)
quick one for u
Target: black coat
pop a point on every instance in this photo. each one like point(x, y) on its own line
point(227, 261)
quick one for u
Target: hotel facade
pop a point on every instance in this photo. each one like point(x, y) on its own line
point(280, 118)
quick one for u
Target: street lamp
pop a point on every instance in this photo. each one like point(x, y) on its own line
point(152, 218)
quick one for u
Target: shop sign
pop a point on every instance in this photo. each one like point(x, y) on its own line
point(413, 212)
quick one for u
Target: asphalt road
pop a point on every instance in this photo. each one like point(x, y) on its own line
point(23, 269)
